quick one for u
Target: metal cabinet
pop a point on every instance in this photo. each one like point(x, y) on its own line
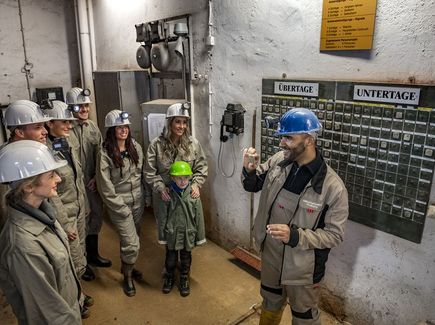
point(124, 90)
point(158, 106)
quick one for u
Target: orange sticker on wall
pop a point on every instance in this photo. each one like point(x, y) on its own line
point(347, 25)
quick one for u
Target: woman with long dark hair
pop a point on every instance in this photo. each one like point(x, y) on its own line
point(174, 144)
point(120, 183)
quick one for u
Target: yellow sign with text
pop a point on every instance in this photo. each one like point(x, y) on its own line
point(347, 25)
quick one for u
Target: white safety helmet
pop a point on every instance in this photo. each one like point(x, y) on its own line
point(26, 158)
point(24, 112)
point(60, 111)
point(78, 96)
point(116, 118)
point(178, 109)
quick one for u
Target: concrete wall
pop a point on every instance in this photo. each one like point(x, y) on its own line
point(115, 32)
point(382, 279)
point(50, 43)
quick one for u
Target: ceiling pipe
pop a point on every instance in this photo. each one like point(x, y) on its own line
point(83, 22)
point(179, 50)
point(90, 12)
point(181, 30)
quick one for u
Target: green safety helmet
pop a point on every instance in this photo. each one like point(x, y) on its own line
point(180, 168)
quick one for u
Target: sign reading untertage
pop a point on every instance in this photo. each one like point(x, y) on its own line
point(296, 88)
point(347, 25)
point(378, 137)
point(393, 95)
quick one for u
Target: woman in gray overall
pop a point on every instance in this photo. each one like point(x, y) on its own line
point(120, 183)
point(36, 271)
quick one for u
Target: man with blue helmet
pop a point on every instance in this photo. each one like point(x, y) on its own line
point(301, 216)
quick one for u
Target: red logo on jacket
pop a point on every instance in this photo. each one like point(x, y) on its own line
point(310, 210)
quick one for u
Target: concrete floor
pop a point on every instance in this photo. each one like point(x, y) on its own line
point(223, 290)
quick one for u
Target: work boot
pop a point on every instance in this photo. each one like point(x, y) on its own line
point(89, 275)
point(93, 256)
point(84, 312)
point(168, 283)
point(88, 301)
point(128, 285)
point(270, 317)
point(184, 285)
point(136, 274)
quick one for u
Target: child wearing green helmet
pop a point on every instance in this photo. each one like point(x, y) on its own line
point(183, 228)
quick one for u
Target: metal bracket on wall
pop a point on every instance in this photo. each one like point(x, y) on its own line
point(153, 53)
point(167, 75)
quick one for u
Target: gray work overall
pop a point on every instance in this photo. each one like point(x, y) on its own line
point(301, 298)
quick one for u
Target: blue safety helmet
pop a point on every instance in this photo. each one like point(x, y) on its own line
point(298, 120)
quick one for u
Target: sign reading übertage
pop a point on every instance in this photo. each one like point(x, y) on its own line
point(347, 25)
point(395, 95)
point(378, 137)
point(296, 88)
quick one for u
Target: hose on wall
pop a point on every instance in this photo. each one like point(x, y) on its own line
point(26, 69)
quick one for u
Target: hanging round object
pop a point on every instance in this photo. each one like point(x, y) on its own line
point(160, 56)
point(143, 56)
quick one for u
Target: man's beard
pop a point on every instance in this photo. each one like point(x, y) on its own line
point(293, 154)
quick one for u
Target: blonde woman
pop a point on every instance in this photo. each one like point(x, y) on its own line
point(174, 144)
point(36, 271)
